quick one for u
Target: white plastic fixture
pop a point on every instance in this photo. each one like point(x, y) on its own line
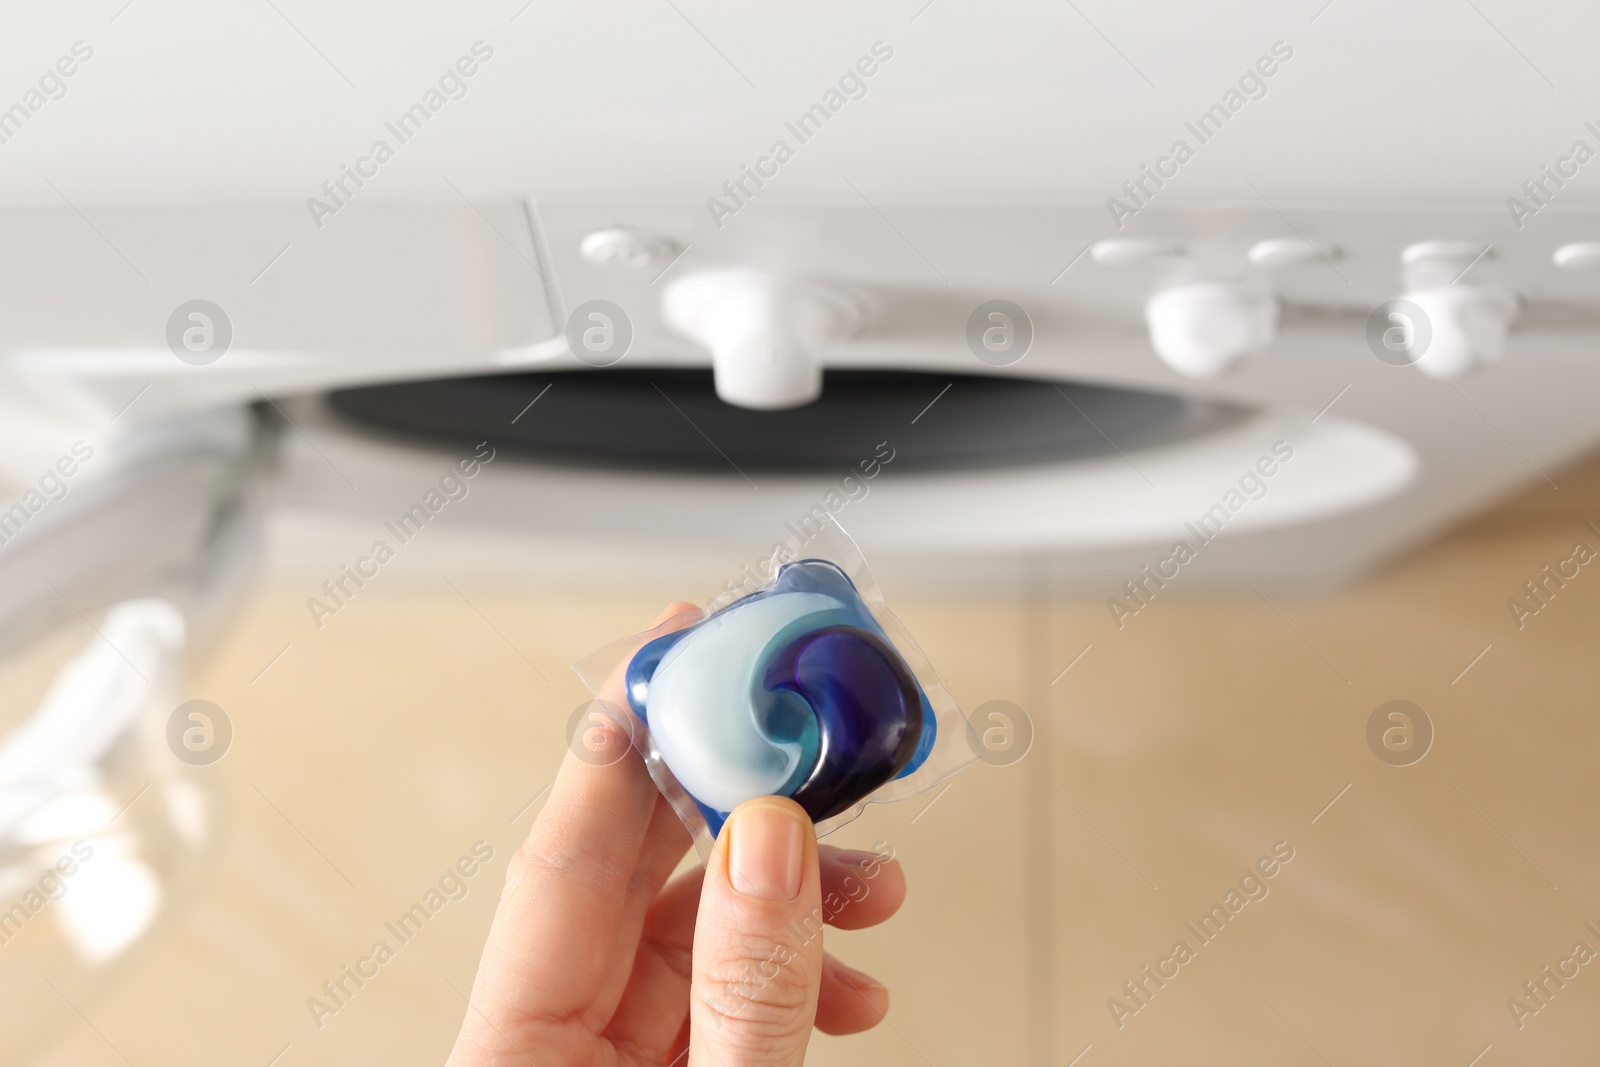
point(1126, 251)
point(1580, 255)
point(763, 331)
point(1444, 252)
point(632, 249)
point(1466, 322)
point(1277, 253)
point(1467, 326)
point(1203, 328)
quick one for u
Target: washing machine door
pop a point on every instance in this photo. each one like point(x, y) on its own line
point(145, 359)
point(117, 564)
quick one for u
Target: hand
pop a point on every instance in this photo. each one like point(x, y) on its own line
point(594, 957)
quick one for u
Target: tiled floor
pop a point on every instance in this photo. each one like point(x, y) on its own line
point(1417, 904)
point(1173, 756)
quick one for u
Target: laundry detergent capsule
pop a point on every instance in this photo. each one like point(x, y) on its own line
point(795, 689)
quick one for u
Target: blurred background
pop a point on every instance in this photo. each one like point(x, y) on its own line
point(1210, 391)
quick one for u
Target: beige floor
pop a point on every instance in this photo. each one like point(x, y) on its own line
point(1171, 757)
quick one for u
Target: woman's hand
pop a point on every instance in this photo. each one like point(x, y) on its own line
point(595, 957)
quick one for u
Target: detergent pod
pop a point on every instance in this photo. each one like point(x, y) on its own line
point(796, 682)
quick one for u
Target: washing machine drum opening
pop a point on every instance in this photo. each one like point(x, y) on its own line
point(670, 419)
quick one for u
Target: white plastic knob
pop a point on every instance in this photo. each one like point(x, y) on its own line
point(632, 249)
point(1125, 251)
point(1204, 328)
point(1580, 255)
point(763, 332)
point(1276, 253)
point(1467, 326)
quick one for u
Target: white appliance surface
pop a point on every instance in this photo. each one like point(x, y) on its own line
point(205, 153)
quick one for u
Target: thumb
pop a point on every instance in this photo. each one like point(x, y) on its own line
point(757, 957)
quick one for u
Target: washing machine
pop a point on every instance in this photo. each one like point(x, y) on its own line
point(1140, 296)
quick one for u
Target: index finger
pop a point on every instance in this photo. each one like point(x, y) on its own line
point(566, 887)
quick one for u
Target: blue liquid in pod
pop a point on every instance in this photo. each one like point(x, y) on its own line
point(814, 701)
point(868, 711)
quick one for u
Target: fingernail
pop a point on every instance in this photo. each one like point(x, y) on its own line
point(764, 852)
